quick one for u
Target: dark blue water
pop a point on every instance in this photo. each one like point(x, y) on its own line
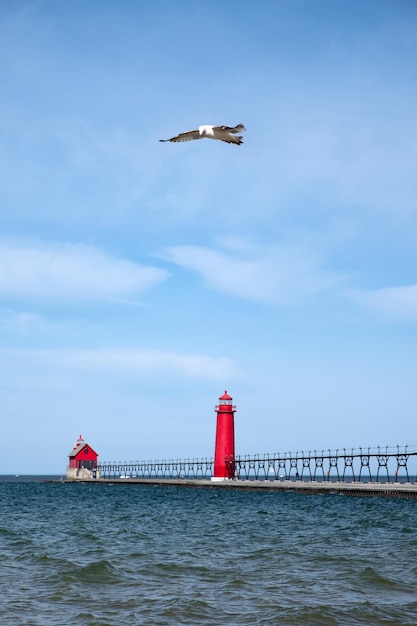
point(129, 554)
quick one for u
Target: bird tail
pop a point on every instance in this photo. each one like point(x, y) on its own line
point(240, 128)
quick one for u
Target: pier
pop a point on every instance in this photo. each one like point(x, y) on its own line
point(380, 471)
point(388, 490)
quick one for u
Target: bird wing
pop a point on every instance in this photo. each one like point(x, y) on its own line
point(240, 128)
point(188, 136)
point(224, 134)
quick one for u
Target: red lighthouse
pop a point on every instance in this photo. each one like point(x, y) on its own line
point(224, 453)
point(82, 461)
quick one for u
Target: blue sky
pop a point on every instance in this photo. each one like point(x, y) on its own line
point(139, 280)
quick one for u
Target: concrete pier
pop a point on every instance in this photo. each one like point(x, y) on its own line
point(358, 489)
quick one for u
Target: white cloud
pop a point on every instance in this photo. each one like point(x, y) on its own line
point(125, 361)
point(394, 302)
point(271, 275)
point(71, 271)
point(136, 360)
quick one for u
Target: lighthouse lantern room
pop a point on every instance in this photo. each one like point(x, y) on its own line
point(82, 461)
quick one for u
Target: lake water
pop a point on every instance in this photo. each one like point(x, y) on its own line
point(121, 555)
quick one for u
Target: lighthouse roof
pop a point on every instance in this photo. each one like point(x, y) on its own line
point(76, 449)
point(225, 396)
point(80, 447)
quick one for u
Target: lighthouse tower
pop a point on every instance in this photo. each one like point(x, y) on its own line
point(224, 452)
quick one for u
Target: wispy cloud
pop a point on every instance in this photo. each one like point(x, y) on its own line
point(125, 361)
point(21, 322)
point(393, 302)
point(66, 271)
point(276, 275)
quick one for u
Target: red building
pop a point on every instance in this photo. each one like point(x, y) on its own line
point(82, 457)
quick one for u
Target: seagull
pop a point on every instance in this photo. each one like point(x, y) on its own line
point(224, 133)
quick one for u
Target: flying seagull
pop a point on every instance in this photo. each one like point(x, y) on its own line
point(224, 133)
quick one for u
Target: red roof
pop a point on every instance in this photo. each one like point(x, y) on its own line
point(80, 447)
point(225, 396)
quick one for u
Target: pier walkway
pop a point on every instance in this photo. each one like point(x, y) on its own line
point(372, 489)
point(383, 471)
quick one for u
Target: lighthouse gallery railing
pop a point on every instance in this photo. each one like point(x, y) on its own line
point(378, 464)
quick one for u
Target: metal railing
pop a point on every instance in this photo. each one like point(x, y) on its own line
point(378, 464)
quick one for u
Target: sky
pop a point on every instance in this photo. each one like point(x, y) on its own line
point(139, 280)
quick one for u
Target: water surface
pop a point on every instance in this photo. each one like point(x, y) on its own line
point(113, 555)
